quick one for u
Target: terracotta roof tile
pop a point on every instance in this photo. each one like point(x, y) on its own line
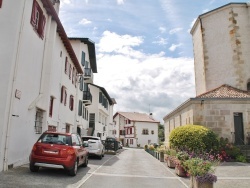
point(225, 91)
point(136, 116)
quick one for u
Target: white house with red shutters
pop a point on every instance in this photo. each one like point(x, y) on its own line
point(135, 129)
point(45, 78)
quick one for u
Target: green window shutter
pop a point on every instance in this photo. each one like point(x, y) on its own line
point(81, 84)
point(83, 58)
point(80, 108)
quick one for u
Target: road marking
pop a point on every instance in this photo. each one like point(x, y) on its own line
point(82, 181)
point(233, 178)
point(133, 176)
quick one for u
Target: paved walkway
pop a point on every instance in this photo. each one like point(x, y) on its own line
point(130, 168)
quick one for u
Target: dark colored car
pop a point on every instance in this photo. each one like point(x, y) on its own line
point(59, 150)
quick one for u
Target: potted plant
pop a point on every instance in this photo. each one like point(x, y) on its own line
point(181, 157)
point(161, 150)
point(170, 158)
point(200, 171)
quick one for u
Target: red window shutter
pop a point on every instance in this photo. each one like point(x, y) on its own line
point(73, 75)
point(66, 65)
point(65, 98)
point(33, 14)
point(1, 3)
point(69, 71)
point(43, 26)
point(51, 107)
point(62, 91)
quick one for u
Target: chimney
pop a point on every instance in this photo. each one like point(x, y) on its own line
point(151, 115)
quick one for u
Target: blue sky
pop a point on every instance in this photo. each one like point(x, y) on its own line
point(144, 48)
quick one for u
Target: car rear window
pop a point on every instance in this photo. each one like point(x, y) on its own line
point(51, 138)
point(87, 138)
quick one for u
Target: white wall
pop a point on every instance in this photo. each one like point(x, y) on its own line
point(222, 48)
point(145, 139)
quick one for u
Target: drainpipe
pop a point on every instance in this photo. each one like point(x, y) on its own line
point(8, 126)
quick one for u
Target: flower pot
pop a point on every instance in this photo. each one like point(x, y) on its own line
point(196, 184)
point(161, 157)
point(170, 163)
point(179, 170)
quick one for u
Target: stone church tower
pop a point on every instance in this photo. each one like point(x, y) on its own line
point(221, 43)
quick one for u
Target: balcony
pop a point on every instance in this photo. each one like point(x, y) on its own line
point(88, 75)
point(87, 98)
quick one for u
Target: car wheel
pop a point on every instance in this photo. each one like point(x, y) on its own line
point(33, 168)
point(103, 154)
point(100, 156)
point(73, 171)
point(85, 164)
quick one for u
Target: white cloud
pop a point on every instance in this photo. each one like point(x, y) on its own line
point(161, 41)
point(162, 29)
point(174, 46)
point(85, 21)
point(175, 30)
point(137, 81)
point(112, 42)
point(206, 10)
point(120, 2)
point(63, 2)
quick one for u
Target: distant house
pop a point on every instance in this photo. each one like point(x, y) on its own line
point(135, 129)
point(222, 80)
point(100, 112)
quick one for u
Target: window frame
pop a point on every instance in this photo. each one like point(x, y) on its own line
point(37, 19)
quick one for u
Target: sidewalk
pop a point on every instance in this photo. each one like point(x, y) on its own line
point(229, 174)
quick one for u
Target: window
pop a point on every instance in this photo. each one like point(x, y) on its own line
point(63, 95)
point(51, 128)
point(51, 106)
point(73, 76)
point(71, 102)
point(152, 132)
point(83, 112)
point(38, 121)
point(80, 108)
point(83, 59)
point(67, 128)
point(37, 19)
point(70, 71)
point(66, 65)
point(1, 3)
point(144, 131)
point(131, 141)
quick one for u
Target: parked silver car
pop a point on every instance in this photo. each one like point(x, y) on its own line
point(95, 146)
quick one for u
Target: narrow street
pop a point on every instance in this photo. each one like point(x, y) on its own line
point(132, 168)
point(129, 168)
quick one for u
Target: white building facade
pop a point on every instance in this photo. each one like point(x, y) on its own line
point(45, 78)
point(135, 129)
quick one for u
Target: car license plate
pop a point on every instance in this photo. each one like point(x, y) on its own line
point(51, 152)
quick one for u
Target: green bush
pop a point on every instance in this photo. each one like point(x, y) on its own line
point(193, 137)
point(241, 158)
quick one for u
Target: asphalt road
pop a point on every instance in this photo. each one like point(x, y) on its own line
point(130, 168)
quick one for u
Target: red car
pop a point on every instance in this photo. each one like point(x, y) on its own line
point(59, 150)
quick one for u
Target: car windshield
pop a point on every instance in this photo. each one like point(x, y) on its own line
point(55, 139)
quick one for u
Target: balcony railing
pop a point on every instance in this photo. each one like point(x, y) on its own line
point(87, 97)
point(87, 73)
